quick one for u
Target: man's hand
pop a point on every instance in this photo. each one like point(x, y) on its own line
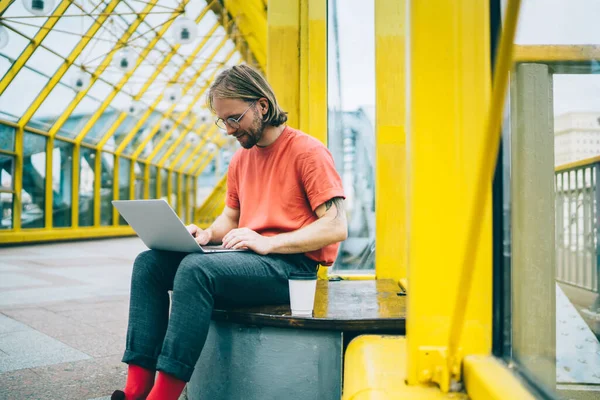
point(244, 238)
point(202, 236)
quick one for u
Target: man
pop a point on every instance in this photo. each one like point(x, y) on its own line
point(284, 202)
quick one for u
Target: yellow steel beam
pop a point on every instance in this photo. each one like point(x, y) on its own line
point(132, 179)
point(390, 187)
point(208, 158)
point(115, 182)
point(111, 131)
point(185, 89)
point(252, 23)
point(173, 163)
point(97, 186)
point(556, 53)
point(180, 195)
point(146, 180)
point(86, 38)
point(181, 137)
point(488, 379)
point(18, 168)
point(48, 191)
point(204, 158)
point(4, 5)
point(119, 86)
point(101, 68)
point(303, 93)
point(207, 136)
point(35, 42)
point(169, 187)
point(45, 235)
point(479, 198)
point(458, 94)
point(283, 67)
point(181, 118)
point(317, 70)
point(213, 205)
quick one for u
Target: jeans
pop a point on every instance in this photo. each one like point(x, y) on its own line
point(172, 343)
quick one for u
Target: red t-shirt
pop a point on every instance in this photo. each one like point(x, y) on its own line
point(278, 188)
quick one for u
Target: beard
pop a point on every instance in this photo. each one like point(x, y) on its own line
point(249, 137)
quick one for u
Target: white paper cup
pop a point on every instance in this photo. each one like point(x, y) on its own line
point(303, 286)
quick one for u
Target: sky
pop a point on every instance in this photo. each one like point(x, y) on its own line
point(541, 22)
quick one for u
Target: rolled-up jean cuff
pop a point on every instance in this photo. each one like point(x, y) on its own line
point(175, 368)
point(140, 360)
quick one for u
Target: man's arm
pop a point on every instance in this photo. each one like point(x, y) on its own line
point(224, 223)
point(331, 227)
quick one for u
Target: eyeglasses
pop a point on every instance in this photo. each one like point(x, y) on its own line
point(232, 122)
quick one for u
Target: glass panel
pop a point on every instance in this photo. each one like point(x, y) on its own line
point(16, 43)
point(106, 189)
point(7, 170)
point(152, 183)
point(175, 190)
point(164, 175)
point(96, 133)
point(21, 92)
point(34, 181)
point(80, 116)
point(62, 172)
point(554, 197)
point(139, 180)
point(7, 138)
point(5, 64)
point(68, 31)
point(6, 203)
point(44, 61)
point(14, 14)
point(86, 186)
point(54, 105)
point(124, 183)
point(190, 196)
point(351, 112)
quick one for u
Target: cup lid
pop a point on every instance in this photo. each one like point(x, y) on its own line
point(303, 276)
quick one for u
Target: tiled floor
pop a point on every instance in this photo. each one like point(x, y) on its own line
point(63, 318)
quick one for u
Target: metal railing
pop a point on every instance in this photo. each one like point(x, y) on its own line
point(577, 197)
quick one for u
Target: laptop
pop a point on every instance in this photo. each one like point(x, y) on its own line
point(160, 228)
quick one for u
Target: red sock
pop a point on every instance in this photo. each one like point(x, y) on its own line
point(139, 382)
point(167, 387)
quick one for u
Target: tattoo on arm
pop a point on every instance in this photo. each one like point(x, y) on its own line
point(339, 205)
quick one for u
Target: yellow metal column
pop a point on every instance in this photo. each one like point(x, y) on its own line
point(449, 95)
point(317, 70)
point(18, 168)
point(390, 183)
point(97, 186)
point(116, 173)
point(283, 66)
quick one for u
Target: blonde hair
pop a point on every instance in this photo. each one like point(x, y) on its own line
point(245, 83)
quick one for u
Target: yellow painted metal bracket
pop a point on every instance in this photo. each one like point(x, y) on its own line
point(375, 369)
